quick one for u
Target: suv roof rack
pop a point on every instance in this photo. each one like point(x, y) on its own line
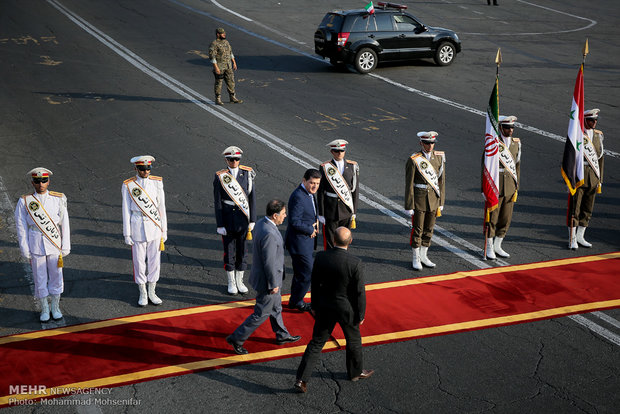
point(386, 5)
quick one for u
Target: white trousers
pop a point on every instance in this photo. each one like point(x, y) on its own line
point(47, 275)
point(143, 254)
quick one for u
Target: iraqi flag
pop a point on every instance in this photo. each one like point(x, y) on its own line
point(490, 174)
point(572, 162)
point(370, 8)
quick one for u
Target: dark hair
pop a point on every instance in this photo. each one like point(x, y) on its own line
point(275, 206)
point(312, 173)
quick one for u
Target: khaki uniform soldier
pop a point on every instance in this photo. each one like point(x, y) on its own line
point(593, 179)
point(234, 199)
point(425, 180)
point(145, 226)
point(224, 65)
point(509, 176)
point(338, 192)
point(42, 223)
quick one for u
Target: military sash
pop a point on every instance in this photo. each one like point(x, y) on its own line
point(42, 220)
point(234, 191)
point(143, 201)
point(505, 157)
point(338, 184)
point(427, 170)
point(589, 153)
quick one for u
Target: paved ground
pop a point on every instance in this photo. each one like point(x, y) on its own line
point(83, 105)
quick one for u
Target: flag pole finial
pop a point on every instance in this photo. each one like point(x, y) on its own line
point(498, 57)
point(585, 51)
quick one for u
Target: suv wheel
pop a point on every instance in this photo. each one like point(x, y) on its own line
point(445, 54)
point(365, 60)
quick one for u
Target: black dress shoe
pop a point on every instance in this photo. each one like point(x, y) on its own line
point(240, 350)
point(365, 374)
point(287, 340)
point(301, 386)
point(305, 307)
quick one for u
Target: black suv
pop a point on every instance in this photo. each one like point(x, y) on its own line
point(389, 34)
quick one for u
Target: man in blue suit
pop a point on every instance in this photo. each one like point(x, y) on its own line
point(301, 232)
point(266, 278)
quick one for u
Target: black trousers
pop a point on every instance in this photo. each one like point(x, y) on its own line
point(235, 254)
point(323, 327)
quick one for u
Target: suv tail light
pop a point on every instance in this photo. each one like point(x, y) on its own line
point(342, 38)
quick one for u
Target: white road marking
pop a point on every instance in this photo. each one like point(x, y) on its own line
point(608, 319)
point(605, 333)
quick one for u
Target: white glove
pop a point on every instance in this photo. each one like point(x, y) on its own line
point(353, 216)
point(441, 208)
point(65, 253)
point(322, 220)
point(251, 226)
point(409, 212)
point(484, 197)
point(164, 236)
point(221, 230)
point(128, 241)
point(27, 255)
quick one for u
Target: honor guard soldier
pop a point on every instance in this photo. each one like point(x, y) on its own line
point(509, 176)
point(425, 180)
point(592, 179)
point(338, 192)
point(42, 223)
point(145, 226)
point(234, 200)
point(224, 65)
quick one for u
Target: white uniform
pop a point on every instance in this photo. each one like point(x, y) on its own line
point(145, 234)
point(43, 253)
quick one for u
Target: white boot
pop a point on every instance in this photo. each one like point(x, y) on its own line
point(490, 249)
point(56, 314)
point(572, 238)
point(143, 299)
point(497, 246)
point(580, 233)
point(151, 291)
point(424, 258)
point(45, 310)
point(416, 259)
point(239, 282)
point(232, 284)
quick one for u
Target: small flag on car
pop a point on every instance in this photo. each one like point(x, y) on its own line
point(370, 8)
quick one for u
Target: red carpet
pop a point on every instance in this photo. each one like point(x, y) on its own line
point(144, 347)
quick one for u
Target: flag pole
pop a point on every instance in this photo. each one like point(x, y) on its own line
point(485, 226)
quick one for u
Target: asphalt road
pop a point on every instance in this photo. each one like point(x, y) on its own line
point(86, 85)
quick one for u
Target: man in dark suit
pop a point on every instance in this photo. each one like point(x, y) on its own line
point(266, 278)
point(338, 296)
point(301, 232)
point(234, 201)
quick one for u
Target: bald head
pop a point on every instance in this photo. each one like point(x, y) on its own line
point(342, 237)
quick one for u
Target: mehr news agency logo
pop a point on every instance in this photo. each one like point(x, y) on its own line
point(26, 394)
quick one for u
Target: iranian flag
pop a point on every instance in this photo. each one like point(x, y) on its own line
point(490, 174)
point(370, 8)
point(572, 162)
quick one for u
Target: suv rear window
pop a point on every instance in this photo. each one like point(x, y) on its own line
point(332, 21)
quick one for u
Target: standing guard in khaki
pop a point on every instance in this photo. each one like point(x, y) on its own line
point(234, 200)
point(338, 192)
point(224, 65)
point(509, 176)
point(425, 181)
point(42, 223)
point(145, 226)
point(592, 176)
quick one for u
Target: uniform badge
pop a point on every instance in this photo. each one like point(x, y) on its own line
point(136, 192)
point(501, 148)
point(33, 206)
point(227, 179)
point(331, 171)
point(424, 165)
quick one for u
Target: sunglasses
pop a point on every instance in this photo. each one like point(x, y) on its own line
point(508, 127)
point(337, 150)
point(40, 180)
point(233, 159)
point(143, 167)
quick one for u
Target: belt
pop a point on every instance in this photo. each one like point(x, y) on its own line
point(229, 202)
point(420, 186)
point(333, 195)
point(502, 169)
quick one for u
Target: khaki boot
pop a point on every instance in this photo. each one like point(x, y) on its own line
point(218, 100)
point(155, 300)
point(232, 283)
point(45, 310)
point(143, 300)
point(235, 100)
point(416, 259)
point(424, 258)
point(490, 249)
point(239, 282)
point(56, 314)
point(581, 231)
